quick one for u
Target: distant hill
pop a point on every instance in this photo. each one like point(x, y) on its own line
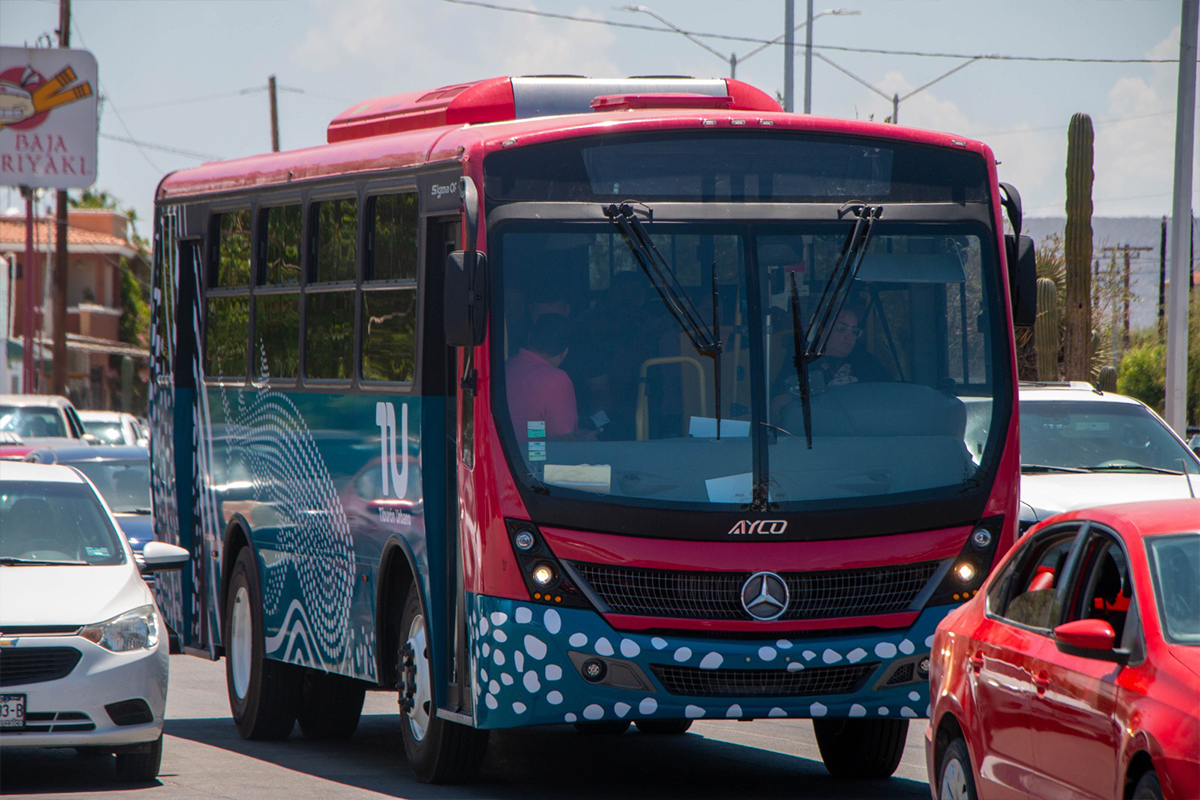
point(1115, 232)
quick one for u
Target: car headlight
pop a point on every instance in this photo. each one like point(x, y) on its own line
point(133, 630)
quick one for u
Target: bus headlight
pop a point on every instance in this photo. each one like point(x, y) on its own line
point(965, 572)
point(543, 575)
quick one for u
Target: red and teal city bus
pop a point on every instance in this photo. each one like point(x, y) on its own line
point(600, 402)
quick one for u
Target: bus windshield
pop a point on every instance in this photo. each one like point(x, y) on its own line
point(602, 388)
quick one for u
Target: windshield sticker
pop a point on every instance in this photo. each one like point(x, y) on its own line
point(585, 477)
point(535, 429)
point(730, 489)
point(98, 552)
point(537, 451)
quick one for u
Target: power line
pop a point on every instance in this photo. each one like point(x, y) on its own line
point(836, 48)
point(162, 147)
point(1113, 121)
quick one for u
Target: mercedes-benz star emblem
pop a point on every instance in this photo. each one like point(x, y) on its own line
point(765, 596)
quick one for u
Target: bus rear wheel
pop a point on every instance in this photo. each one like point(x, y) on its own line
point(330, 705)
point(438, 750)
point(263, 694)
point(861, 748)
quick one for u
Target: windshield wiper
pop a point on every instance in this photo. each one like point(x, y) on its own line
point(809, 344)
point(801, 360)
point(1132, 468)
point(664, 280)
point(1049, 468)
point(837, 288)
point(12, 561)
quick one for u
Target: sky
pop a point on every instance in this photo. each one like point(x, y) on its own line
point(184, 81)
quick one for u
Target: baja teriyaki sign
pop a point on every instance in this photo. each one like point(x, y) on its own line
point(48, 118)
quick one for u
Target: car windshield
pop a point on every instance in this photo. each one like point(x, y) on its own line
point(125, 484)
point(42, 521)
point(1175, 573)
point(605, 388)
point(1100, 436)
point(107, 432)
point(32, 422)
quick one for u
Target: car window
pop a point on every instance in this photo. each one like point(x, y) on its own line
point(43, 521)
point(1103, 589)
point(1175, 575)
point(1027, 592)
point(32, 421)
point(125, 485)
point(1082, 434)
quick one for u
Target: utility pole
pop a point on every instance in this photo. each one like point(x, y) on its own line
point(59, 380)
point(1162, 282)
point(274, 114)
point(1181, 217)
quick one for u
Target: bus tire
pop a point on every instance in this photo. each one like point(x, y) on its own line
point(861, 748)
point(263, 694)
point(330, 705)
point(1148, 788)
point(663, 727)
point(609, 727)
point(438, 750)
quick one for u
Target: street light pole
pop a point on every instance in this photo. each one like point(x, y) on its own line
point(789, 54)
point(808, 60)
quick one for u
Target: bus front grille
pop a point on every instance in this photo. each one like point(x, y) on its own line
point(695, 682)
point(717, 595)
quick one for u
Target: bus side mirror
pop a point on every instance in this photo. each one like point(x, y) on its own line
point(1022, 278)
point(465, 309)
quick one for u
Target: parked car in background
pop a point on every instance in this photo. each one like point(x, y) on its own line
point(83, 656)
point(1081, 447)
point(122, 475)
point(1075, 670)
point(113, 427)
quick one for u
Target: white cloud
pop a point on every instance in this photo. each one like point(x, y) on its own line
point(522, 44)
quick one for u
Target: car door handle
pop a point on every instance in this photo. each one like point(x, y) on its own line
point(976, 662)
point(1041, 682)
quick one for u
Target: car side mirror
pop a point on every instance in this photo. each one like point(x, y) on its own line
point(465, 308)
point(1089, 638)
point(160, 556)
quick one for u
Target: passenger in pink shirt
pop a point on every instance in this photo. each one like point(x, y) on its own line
point(541, 397)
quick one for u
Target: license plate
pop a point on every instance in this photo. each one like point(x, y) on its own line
point(12, 711)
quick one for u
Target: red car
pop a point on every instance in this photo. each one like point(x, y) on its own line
point(1075, 671)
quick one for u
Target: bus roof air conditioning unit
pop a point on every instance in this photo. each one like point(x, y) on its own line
point(501, 99)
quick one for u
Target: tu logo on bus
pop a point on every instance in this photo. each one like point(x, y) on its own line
point(385, 418)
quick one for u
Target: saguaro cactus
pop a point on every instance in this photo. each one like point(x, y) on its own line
point(1045, 330)
point(1077, 245)
point(1108, 379)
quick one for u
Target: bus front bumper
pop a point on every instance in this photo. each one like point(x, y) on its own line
point(529, 661)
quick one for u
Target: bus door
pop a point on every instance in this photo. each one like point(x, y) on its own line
point(442, 450)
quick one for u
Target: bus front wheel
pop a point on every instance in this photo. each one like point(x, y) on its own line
point(861, 748)
point(438, 750)
point(263, 694)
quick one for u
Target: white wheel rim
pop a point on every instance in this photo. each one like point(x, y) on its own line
point(954, 782)
point(418, 715)
point(240, 642)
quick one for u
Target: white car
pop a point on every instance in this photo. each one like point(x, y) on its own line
point(113, 427)
point(83, 648)
point(1081, 447)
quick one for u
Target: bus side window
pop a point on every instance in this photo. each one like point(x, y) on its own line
point(227, 326)
point(389, 299)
